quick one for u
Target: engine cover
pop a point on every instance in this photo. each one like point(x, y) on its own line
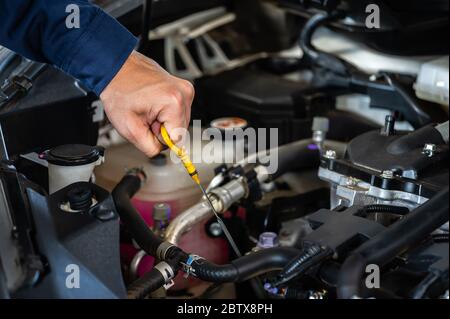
point(401, 169)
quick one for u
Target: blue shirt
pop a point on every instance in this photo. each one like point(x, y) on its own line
point(43, 30)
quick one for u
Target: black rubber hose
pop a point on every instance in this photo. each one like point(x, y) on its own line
point(246, 267)
point(154, 280)
point(241, 269)
point(131, 219)
point(298, 156)
point(210, 272)
point(322, 59)
point(301, 155)
point(386, 209)
point(312, 256)
point(380, 250)
point(145, 285)
point(422, 117)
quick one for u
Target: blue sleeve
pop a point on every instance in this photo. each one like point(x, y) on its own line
point(92, 53)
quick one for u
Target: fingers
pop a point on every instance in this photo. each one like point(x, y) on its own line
point(142, 97)
point(175, 115)
point(142, 137)
point(156, 128)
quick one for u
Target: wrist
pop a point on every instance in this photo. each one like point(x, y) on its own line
point(117, 81)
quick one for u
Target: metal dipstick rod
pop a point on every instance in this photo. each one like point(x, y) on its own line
point(192, 171)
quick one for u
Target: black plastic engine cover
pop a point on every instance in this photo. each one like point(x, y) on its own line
point(403, 154)
point(341, 230)
point(56, 111)
point(263, 99)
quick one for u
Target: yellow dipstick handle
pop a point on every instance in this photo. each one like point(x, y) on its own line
point(182, 155)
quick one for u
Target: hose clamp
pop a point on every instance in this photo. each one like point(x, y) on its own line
point(167, 272)
point(187, 266)
point(162, 250)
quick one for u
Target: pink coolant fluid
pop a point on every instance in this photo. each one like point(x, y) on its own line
point(167, 183)
point(196, 242)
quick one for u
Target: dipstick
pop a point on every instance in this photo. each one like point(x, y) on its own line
point(192, 171)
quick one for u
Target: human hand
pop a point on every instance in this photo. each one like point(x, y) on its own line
point(142, 97)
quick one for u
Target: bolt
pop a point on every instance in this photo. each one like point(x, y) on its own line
point(268, 240)
point(389, 126)
point(429, 150)
point(161, 212)
point(215, 229)
point(388, 174)
point(330, 154)
point(320, 127)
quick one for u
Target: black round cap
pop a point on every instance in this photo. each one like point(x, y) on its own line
point(80, 198)
point(73, 154)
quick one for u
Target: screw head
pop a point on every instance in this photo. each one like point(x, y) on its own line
point(330, 154)
point(429, 150)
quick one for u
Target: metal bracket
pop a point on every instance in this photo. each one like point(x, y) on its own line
point(167, 272)
point(216, 57)
point(195, 27)
point(187, 267)
point(162, 250)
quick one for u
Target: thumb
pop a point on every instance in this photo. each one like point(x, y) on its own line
point(144, 139)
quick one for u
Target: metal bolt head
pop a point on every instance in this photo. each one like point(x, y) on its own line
point(268, 240)
point(429, 150)
point(330, 154)
point(388, 174)
point(161, 212)
point(215, 229)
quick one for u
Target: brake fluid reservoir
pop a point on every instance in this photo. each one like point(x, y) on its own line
point(167, 183)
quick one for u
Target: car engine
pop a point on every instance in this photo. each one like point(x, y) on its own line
point(340, 191)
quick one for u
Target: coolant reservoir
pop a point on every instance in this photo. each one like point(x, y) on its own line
point(69, 164)
point(167, 183)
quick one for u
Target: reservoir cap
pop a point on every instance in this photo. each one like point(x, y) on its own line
point(73, 155)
